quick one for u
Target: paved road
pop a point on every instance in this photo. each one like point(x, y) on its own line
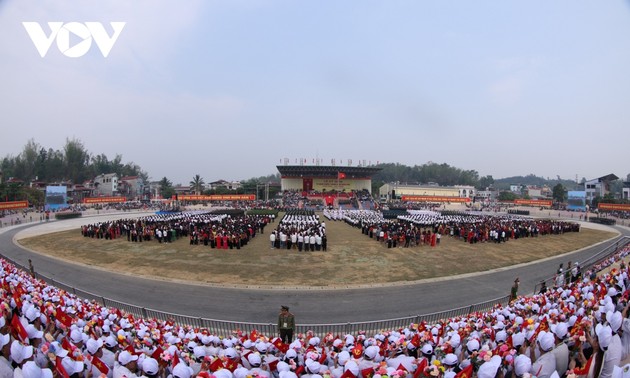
point(310, 306)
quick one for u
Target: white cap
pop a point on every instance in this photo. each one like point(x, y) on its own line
point(125, 357)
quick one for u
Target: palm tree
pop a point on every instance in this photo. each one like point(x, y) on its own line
point(197, 184)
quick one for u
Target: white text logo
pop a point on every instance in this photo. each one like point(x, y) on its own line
point(86, 32)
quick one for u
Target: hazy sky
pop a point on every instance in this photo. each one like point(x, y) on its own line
point(226, 89)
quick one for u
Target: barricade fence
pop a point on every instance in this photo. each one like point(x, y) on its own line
point(225, 328)
point(590, 262)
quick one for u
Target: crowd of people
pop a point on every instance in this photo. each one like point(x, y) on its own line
point(426, 227)
point(580, 329)
point(219, 231)
point(300, 230)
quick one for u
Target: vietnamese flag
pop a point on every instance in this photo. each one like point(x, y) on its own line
point(420, 368)
point(280, 345)
point(63, 318)
point(231, 365)
point(348, 374)
point(60, 369)
point(341, 175)
point(100, 365)
point(466, 372)
point(19, 329)
point(217, 364)
point(273, 365)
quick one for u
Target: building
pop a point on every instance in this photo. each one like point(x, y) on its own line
point(106, 184)
point(395, 190)
point(625, 192)
point(223, 184)
point(598, 187)
point(132, 187)
point(319, 178)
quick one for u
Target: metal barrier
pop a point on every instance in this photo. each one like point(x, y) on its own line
point(225, 328)
point(590, 262)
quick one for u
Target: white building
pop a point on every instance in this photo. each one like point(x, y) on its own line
point(106, 184)
point(598, 187)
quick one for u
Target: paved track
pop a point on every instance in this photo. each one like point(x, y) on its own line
point(310, 306)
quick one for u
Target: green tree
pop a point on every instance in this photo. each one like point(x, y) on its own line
point(166, 188)
point(485, 182)
point(76, 160)
point(507, 196)
point(197, 184)
point(559, 193)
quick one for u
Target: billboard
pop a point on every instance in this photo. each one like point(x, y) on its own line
point(576, 200)
point(531, 202)
point(413, 198)
point(91, 200)
point(12, 205)
point(56, 198)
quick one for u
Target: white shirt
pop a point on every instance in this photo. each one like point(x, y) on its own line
point(544, 366)
point(612, 357)
point(6, 371)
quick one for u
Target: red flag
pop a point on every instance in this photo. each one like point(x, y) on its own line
point(341, 175)
point(156, 354)
point(63, 317)
point(253, 335)
point(18, 329)
point(282, 347)
point(402, 367)
point(467, 372)
point(323, 358)
point(299, 370)
point(357, 351)
point(60, 369)
point(100, 365)
point(231, 365)
point(65, 344)
point(175, 360)
point(420, 368)
point(217, 364)
point(367, 373)
point(543, 326)
point(415, 340)
point(273, 365)
point(348, 374)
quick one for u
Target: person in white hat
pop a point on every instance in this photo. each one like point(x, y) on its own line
point(126, 366)
point(6, 370)
point(561, 350)
point(545, 365)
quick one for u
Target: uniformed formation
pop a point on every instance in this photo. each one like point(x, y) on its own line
point(300, 230)
point(218, 231)
point(579, 329)
point(425, 227)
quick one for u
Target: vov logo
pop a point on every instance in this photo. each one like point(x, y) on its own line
point(86, 32)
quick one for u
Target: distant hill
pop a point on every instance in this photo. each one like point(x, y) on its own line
point(504, 183)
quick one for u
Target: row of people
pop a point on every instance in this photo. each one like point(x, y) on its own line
point(581, 329)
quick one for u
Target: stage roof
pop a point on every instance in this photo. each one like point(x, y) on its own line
point(326, 171)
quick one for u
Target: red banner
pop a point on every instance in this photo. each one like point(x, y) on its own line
point(217, 197)
point(613, 206)
point(104, 199)
point(13, 205)
point(547, 203)
point(436, 199)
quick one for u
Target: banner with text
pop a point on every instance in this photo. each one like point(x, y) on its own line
point(217, 197)
point(531, 202)
point(613, 206)
point(436, 199)
point(104, 199)
point(11, 205)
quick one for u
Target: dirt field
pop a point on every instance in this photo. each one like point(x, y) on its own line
point(352, 259)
